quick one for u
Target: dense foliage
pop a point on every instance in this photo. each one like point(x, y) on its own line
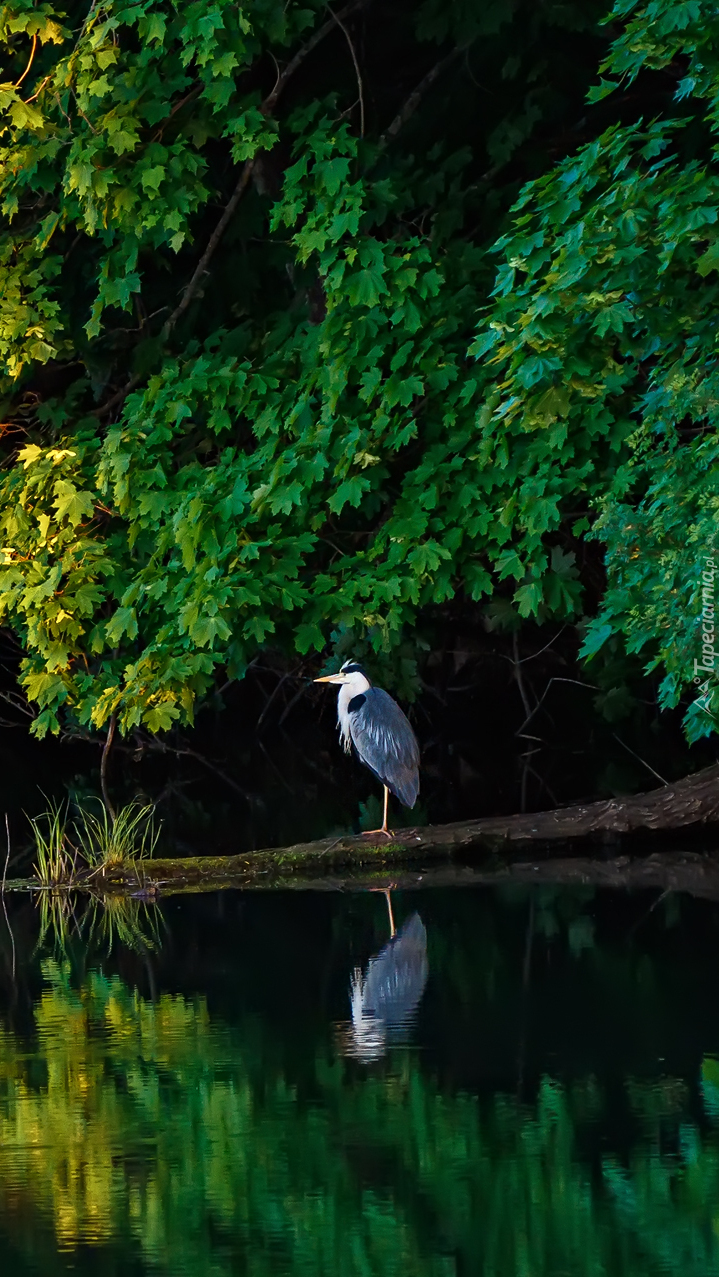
point(264, 379)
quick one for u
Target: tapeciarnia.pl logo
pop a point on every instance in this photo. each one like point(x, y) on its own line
point(704, 667)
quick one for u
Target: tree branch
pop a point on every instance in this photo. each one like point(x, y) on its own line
point(26, 72)
point(270, 101)
point(212, 243)
point(347, 37)
point(103, 767)
point(267, 108)
point(119, 396)
point(416, 96)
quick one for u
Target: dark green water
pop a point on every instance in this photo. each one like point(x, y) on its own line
point(211, 1109)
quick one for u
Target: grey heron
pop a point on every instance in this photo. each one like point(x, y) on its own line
point(371, 721)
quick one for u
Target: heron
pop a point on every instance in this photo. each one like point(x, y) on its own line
point(371, 721)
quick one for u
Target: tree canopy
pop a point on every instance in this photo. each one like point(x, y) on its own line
point(313, 321)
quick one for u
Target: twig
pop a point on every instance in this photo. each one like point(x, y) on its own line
point(416, 96)
point(520, 681)
point(103, 766)
point(347, 37)
point(163, 748)
point(280, 683)
point(535, 773)
point(4, 880)
point(17, 702)
point(37, 92)
point(178, 105)
point(640, 759)
point(591, 686)
point(290, 706)
point(275, 768)
point(7, 858)
point(27, 68)
point(533, 655)
point(270, 101)
point(119, 397)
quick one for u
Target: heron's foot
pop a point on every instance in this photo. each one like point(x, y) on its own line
point(369, 833)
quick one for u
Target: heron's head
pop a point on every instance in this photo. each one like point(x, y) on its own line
point(351, 673)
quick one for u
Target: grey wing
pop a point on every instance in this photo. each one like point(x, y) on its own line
point(385, 742)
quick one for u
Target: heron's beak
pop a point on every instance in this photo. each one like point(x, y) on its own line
point(330, 678)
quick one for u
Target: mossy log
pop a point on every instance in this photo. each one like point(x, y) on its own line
point(692, 803)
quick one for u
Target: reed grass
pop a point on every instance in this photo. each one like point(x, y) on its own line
point(70, 854)
point(55, 856)
point(128, 839)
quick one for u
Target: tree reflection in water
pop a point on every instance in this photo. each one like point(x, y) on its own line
point(157, 1136)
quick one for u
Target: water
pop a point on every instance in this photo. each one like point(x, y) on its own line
point(545, 1101)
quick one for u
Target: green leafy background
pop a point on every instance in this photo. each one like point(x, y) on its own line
point(313, 324)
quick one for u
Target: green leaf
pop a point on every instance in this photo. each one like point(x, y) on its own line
point(595, 638)
point(71, 503)
point(123, 622)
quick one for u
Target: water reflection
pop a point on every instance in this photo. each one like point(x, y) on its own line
point(96, 921)
point(191, 1134)
point(384, 999)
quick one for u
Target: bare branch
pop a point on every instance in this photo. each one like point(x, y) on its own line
point(27, 68)
point(119, 396)
point(212, 243)
point(103, 767)
point(557, 679)
point(639, 759)
point(178, 105)
point(270, 102)
point(416, 96)
point(347, 37)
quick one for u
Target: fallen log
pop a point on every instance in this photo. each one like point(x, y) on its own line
point(691, 803)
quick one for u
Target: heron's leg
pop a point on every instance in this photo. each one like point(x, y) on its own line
point(388, 833)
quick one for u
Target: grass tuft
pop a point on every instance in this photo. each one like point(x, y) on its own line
point(55, 857)
point(129, 838)
point(71, 855)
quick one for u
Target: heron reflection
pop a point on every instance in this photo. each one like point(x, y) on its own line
point(385, 997)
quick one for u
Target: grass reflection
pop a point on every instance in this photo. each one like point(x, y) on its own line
point(151, 1127)
point(95, 921)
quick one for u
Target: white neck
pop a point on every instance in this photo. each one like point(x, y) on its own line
point(356, 684)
